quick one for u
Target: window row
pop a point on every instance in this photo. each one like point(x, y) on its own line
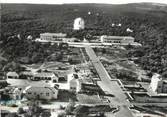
point(42, 78)
point(30, 93)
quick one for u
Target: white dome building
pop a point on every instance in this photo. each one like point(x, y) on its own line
point(79, 24)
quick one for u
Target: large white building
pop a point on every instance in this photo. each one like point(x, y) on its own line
point(41, 92)
point(158, 84)
point(120, 40)
point(52, 36)
point(79, 24)
point(55, 38)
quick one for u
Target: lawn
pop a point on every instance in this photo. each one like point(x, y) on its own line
point(143, 98)
point(157, 108)
point(65, 95)
point(88, 99)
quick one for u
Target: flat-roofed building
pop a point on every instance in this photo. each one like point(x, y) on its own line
point(52, 36)
point(122, 40)
point(28, 78)
point(66, 40)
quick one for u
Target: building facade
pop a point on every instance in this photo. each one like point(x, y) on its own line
point(121, 40)
point(41, 92)
point(12, 77)
point(26, 78)
point(52, 36)
point(45, 76)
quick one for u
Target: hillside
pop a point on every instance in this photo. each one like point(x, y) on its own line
point(148, 20)
point(28, 18)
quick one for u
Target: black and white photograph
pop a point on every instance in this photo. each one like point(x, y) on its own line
point(83, 58)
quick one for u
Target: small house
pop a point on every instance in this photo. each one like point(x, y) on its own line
point(11, 78)
point(12, 75)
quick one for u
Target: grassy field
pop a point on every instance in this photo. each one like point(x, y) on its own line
point(119, 66)
point(64, 96)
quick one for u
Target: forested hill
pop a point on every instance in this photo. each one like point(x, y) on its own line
point(31, 18)
point(148, 20)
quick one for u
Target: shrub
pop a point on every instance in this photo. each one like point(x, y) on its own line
point(62, 114)
point(20, 111)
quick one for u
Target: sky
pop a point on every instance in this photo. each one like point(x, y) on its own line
point(81, 1)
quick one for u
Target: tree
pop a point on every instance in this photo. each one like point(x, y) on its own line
point(45, 113)
point(12, 115)
point(20, 111)
point(70, 107)
point(62, 114)
point(104, 51)
point(164, 74)
point(33, 109)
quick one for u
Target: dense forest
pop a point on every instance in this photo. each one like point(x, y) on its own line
point(148, 22)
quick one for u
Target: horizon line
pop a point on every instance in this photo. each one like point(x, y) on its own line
point(82, 3)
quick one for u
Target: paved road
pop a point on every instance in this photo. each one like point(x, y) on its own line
point(109, 86)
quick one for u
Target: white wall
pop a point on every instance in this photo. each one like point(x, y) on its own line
point(79, 24)
point(154, 82)
point(42, 92)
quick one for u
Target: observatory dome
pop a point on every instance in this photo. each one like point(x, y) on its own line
point(79, 24)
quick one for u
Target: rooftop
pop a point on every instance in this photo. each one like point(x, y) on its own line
point(78, 19)
point(44, 74)
point(27, 73)
point(120, 37)
point(12, 74)
point(54, 34)
point(36, 89)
